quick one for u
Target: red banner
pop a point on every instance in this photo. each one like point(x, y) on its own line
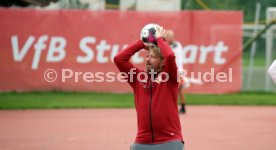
point(73, 50)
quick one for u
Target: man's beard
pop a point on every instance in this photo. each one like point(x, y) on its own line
point(150, 67)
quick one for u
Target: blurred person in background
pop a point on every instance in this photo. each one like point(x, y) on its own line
point(183, 84)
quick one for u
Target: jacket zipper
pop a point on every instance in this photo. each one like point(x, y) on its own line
point(151, 127)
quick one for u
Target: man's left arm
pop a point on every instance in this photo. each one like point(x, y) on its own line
point(169, 59)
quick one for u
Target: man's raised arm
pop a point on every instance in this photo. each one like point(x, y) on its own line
point(169, 57)
point(122, 59)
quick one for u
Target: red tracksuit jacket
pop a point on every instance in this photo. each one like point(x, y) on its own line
point(155, 102)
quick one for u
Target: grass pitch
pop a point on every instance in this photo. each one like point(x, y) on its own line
point(53, 100)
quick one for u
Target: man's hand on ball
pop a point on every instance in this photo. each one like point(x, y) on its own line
point(160, 32)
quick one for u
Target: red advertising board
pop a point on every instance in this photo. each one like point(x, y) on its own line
point(78, 45)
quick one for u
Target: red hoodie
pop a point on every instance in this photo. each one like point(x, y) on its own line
point(155, 102)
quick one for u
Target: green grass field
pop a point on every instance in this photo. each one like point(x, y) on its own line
point(50, 100)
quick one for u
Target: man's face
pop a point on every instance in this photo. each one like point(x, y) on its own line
point(154, 61)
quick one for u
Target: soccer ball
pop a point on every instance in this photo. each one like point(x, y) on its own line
point(148, 33)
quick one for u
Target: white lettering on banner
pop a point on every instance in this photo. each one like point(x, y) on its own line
point(56, 52)
point(114, 51)
point(86, 49)
point(193, 53)
point(103, 46)
point(17, 55)
point(219, 49)
point(204, 50)
point(57, 46)
point(190, 53)
point(39, 46)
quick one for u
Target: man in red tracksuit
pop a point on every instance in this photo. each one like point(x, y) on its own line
point(155, 92)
